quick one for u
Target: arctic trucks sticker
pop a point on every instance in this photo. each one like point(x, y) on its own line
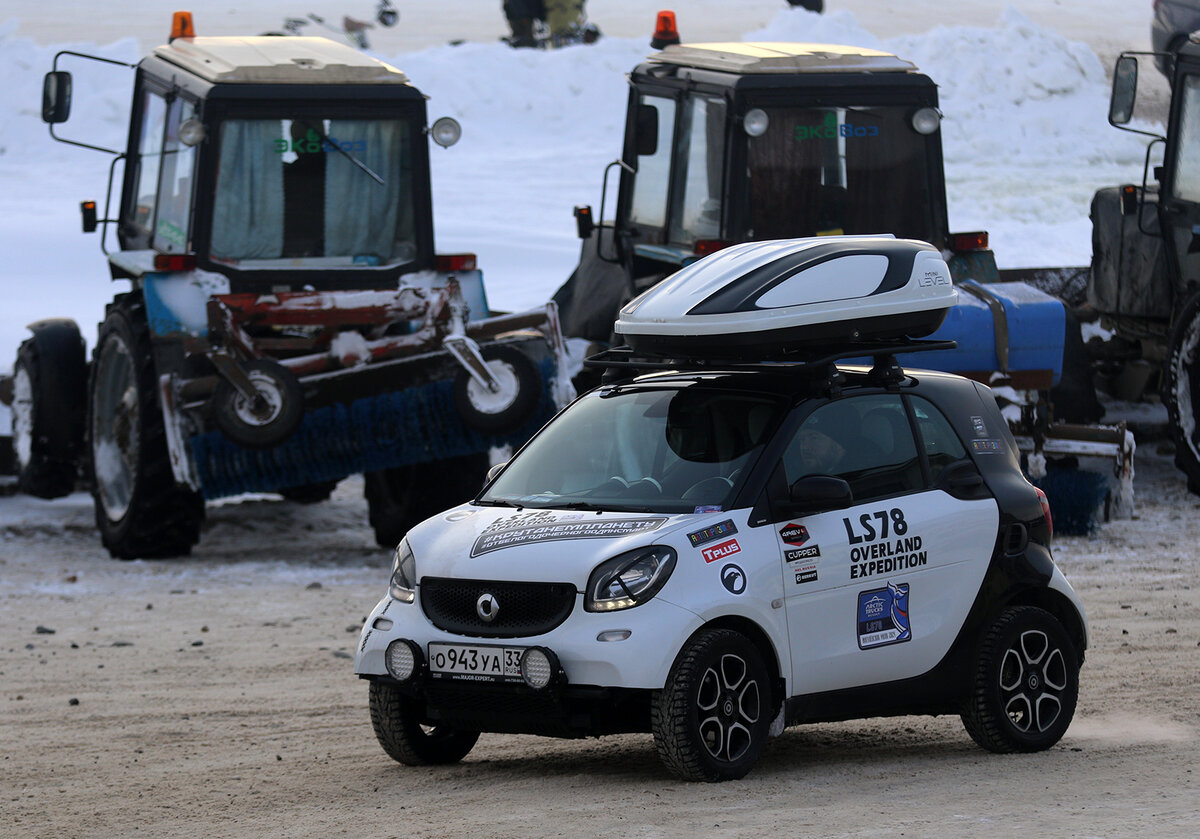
point(711, 533)
point(883, 616)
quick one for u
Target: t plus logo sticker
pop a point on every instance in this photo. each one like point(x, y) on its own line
point(733, 578)
point(721, 551)
point(794, 534)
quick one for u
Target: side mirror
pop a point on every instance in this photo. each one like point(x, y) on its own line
point(818, 493)
point(56, 97)
point(1124, 90)
point(647, 130)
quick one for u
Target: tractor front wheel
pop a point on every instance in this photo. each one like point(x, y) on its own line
point(1181, 389)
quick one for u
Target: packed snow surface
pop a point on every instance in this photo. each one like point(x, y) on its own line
point(1025, 135)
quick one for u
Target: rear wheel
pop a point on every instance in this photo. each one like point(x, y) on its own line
point(399, 498)
point(140, 510)
point(710, 722)
point(49, 409)
point(1181, 389)
point(310, 493)
point(1026, 683)
point(398, 727)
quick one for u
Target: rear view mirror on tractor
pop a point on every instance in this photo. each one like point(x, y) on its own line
point(56, 97)
point(1124, 90)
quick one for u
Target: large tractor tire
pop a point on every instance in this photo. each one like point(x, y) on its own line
point(402, 497)
point(49, 408)
point(1181, 389)
point(140, 510)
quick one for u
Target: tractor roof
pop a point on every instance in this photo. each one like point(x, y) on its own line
point(778, 57)
point(272, 59)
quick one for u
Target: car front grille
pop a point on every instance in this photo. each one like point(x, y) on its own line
point(521, 608)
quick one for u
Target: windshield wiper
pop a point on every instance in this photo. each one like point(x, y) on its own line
point(350, 157)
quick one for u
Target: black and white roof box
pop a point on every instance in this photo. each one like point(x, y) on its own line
point(768, 299)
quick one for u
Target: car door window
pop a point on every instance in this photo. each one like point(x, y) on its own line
point(867, 441)
point(941, 444)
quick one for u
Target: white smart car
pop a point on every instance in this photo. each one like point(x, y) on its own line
point(711, 550)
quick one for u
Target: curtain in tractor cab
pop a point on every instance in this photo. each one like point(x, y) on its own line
point(248, 208)
point(362, 216)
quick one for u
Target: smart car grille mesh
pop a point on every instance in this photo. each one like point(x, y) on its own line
point(520, 608)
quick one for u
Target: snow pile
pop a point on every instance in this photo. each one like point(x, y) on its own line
point(1025, 137)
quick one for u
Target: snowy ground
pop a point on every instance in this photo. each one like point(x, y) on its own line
point(213, 696)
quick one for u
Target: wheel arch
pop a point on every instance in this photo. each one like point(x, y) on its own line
point(762, 641)
point(1058, 605)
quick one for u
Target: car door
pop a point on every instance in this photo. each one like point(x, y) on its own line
point(877, 591)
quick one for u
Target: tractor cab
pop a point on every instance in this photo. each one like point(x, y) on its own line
point(735, 142)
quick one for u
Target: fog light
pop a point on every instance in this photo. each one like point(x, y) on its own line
point(402, 659)
point(538, 666)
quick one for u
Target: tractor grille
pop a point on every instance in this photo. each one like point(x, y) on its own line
point(522, 608)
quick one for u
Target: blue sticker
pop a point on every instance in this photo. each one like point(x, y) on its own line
point(883, 616)
point(708, 508)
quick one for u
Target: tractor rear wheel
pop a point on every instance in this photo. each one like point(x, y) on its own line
point(399, 498)
point(140, 510)
point(1181, 389)
point(49, 408)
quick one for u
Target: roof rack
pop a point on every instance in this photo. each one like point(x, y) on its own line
point(886, 372)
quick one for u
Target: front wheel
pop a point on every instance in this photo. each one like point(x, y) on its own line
point(398, 727)
point(140, 510)
point(1181, 389)
point(1026, 683)
point(710, 722)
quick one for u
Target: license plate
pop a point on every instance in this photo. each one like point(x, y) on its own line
point(475, 663)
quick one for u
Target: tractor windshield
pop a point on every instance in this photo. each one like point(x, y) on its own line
point(314, 192)
point(831, 171)
point(650, 450)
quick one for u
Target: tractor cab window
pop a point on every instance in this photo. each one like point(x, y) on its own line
point(1186, 181)
point(832, 171)
point(649, 205)
point(315, 192)
point(699, 166)
point(161, 211)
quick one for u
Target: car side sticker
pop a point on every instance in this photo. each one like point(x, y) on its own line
point(987, 446)
point(880, 543)
point(883, 616)
point(733, 578)
point(794, 534)
point(712, 533)
point(525, 528)
point(715, 552)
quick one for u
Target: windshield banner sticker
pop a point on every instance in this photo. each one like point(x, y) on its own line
point(883, 616)
point(526, 528)
point(711, 533)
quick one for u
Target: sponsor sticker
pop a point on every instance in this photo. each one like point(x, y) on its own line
point(793, 554)
point(707, 508)
point(980, 446)
point(733, 578)
point(980, 426)
point(712, 533)
point(794, 534)
point(883, 616)
point(715, 552)
point(527, 528)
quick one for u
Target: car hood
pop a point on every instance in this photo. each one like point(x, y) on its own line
point(502, 543)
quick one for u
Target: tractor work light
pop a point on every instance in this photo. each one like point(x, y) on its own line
point(174, 261)
point(926, 120)
point(969, 242)
point(446, 132)
point(756, 122)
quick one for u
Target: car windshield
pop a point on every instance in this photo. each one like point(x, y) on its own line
point(636, 449)
point(829, 171)
point(314, 192)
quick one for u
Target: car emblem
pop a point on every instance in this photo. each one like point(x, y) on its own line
point(486, 607)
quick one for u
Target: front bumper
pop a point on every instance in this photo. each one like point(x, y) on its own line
point(603, 685)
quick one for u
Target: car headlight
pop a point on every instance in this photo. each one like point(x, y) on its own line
point(629, 579)
point(403, 585)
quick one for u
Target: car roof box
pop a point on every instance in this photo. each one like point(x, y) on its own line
point(770, 299)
